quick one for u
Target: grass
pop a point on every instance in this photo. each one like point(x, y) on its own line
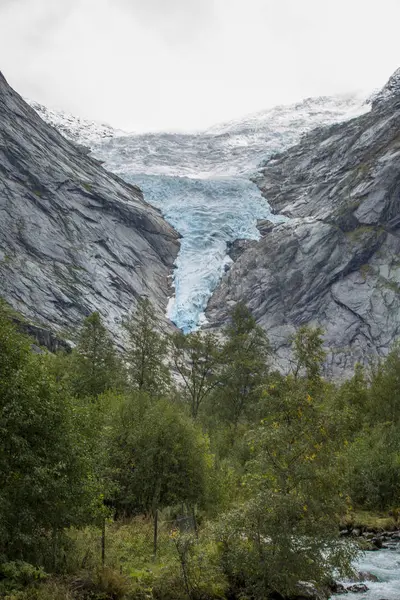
point(359, 232)
point(364, 519)
point(366, 270)
point(131, 572)
point(390, 285)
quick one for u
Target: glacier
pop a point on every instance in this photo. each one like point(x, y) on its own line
point(200, 182)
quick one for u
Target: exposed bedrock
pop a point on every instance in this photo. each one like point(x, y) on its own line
point(73, 238)
point(336, 262)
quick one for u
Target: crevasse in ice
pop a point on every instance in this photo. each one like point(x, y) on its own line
point(200, 182)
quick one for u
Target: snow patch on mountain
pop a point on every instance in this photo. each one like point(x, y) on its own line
point(392, 88)
point(76, 129)
point(200, 182)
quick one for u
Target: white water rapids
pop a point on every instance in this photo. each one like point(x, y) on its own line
point(385, 565)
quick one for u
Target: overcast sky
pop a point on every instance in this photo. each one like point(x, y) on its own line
point(184, 64)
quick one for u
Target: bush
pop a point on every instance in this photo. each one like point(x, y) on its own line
point(374, 468)
point(195, 572)
point(16, 575)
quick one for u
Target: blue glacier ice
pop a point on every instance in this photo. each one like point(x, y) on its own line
point(200, 182)
point(208, 213)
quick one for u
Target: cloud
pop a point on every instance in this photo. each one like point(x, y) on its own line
point(36, 20)
point(175, 20)
point(178, 64)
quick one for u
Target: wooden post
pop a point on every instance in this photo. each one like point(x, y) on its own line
point(195, 522)
point(155, 533)
point(103, 542)
point(54, 549)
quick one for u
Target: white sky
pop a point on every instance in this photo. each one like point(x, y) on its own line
point(182, 64)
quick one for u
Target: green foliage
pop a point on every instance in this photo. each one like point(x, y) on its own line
point(16, 575)
point(350, 402)
point(95, 367)
point(146, 351)
point(285, 529)
point(372, 408)
point(196, 357)
point(295, 492)
point(196, 572)
point(158, 457)
point(268, 463)
point(374, 467)
point(245, 358)
point(384, 393)
point(42, 476)
point(308, 353)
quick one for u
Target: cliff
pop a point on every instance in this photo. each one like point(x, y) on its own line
point(74, 238)
point(336, 261)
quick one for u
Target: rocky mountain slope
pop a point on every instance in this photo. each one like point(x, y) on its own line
point(336, 261)
point(73, 237)
point(200, 181)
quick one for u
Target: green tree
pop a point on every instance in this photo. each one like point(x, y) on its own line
point(308, 353)
point(158, 456)
point(374, 467)
point(196, 357)
point(286, 529)
point(44, 477)
point(384, 392)
point(374, 455)
point(147, 350)
point(351, 401)
point(95, 364)
point(245, 357)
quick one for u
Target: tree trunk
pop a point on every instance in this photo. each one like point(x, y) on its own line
point(195, 522)
point(103, 542)
point(54, 549)
point(155, 534)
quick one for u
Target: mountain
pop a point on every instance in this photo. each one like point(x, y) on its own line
point(335, 262)
point(391, 89)
point(200, 182)
point(228, 149)
point(74, 238)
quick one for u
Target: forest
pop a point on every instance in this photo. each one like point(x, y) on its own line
point(186, 467)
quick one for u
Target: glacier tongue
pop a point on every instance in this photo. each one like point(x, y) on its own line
point(199, 182)
point(208, 213)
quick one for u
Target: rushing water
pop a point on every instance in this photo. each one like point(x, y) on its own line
point(385, 565)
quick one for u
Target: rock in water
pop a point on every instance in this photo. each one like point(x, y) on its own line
point(336, 262)
point(74, 238)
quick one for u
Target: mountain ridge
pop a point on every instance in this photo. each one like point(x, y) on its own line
point(75, 238)
point(334, 263)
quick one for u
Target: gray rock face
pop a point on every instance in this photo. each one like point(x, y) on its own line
point(389, 90)
point(73, 237)
point(336, 262)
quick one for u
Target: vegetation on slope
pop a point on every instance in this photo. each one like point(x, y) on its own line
point(186, 468)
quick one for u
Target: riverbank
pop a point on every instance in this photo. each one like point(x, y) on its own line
point(131, 571)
